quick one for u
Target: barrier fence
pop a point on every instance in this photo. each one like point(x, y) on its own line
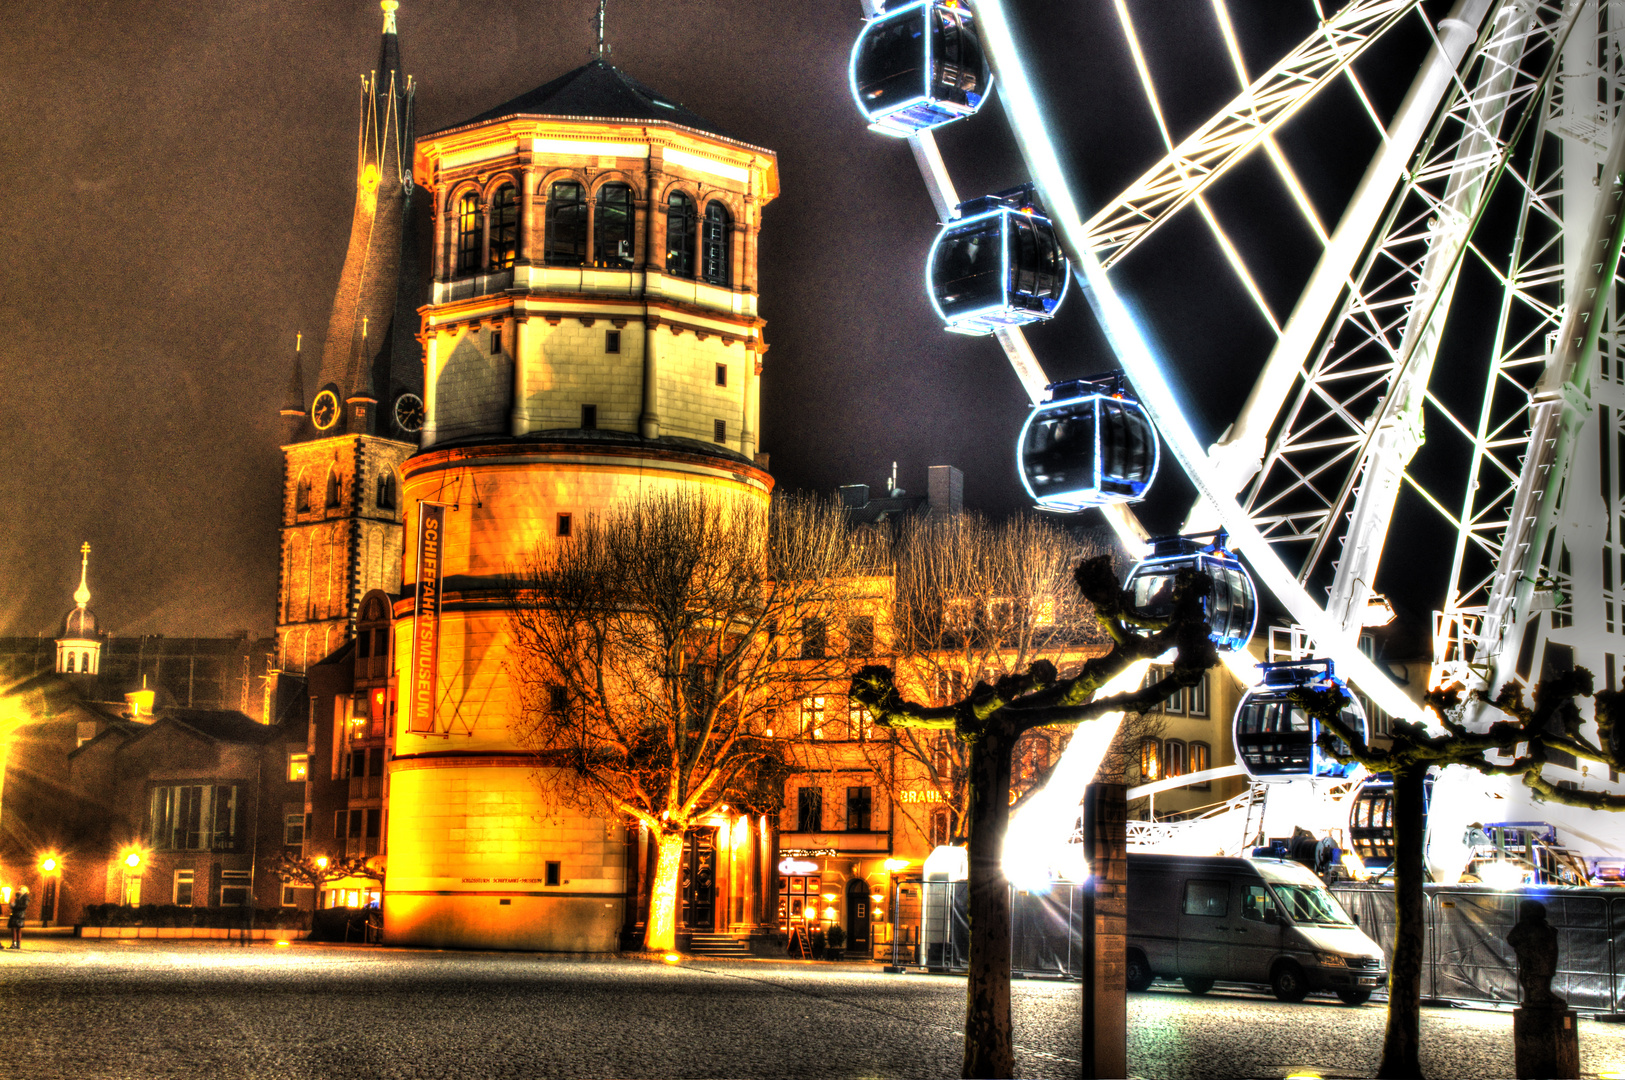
point(1466, 955)
point(931, 930)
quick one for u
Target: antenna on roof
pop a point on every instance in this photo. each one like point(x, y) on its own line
point(603, 49)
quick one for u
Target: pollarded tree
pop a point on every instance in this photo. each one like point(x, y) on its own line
point(1520, 746)
point(654, 651)
point(991, 719)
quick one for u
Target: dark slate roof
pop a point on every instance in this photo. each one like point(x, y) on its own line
point(599, 91)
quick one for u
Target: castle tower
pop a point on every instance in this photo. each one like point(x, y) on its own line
point(341, 522)
point(79, 647)
point(592, 336)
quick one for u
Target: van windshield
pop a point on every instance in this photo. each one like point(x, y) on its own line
point(1307, 904)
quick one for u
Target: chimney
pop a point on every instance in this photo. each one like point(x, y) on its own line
point(854, 496)
point(945, 490)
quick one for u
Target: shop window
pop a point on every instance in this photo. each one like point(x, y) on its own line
point(814, 639)
point(293, 830)
point(716, 250)
point(680, 228)
point(589, 417)
point(504, 228)
point(613, 227)
point(860, 636)
point(812, 717)
point(1201, 760)
point(858, 803)
point(468, 233)
point(1150, 760)
point(566, 243)
point(1173, 757)
point(236, 888)
point(809, 810)
point(298, 768)
point(183, 888)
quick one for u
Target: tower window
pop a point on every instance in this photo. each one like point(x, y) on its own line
point(563, 525)
point(332, 489)
point(612, 341)
point(468, 233)
point(589, 417)
point(386, 492)
point(722, 374)
point(680, 221)
point(301, 498)
point(496, 340)
point(719, 431)
point(716, 253)
point(72, 659)
point(612, 240)
point(566, 243)
point(504, 228)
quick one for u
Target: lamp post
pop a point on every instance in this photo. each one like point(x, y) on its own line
point(131, 859)
point(50, 868)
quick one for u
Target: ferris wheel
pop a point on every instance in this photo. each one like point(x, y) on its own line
point(1514, 111)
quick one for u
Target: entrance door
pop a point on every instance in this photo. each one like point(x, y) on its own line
point(857, 914)
point(699, 882)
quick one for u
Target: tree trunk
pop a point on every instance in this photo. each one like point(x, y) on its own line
point(661, 933)
point(988, 1053)
point(1401, 1049)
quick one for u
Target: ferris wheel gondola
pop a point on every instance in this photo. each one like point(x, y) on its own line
point(1276, 740)
point(918, 67)
point(1231, 606)
point(1089, 444)
point(997, 264)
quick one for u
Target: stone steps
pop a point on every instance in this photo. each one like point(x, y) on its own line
point(718, 945)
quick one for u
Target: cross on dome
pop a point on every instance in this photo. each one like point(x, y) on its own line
point(81, 595)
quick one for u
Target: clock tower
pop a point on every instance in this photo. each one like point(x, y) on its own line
point(346, 437)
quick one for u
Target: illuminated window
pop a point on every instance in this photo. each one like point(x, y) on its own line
point(1201, 760)
point(680, 221)
point(715, 251)
point(589, 417)
point(719, 431)
point(504, 228)
point(809, 810)
point(1150, 760)
point(812, 717)
point(468, 234)
point(298, 767)
point(183, 888)
point(236, 888)
point(858, 803)
point(860, 721)
point(612, 227)
point(722, 374)
point(293, 830)
point(566, 243)
point(1173, 757)
point(942, 757)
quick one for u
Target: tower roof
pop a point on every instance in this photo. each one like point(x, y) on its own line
point(600, 91)
point(81, 621)
point(293, 398)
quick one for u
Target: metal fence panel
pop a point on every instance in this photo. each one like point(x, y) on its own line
point(1046, 929)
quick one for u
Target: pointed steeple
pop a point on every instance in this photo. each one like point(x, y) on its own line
point(293, 398)
point(360, 395)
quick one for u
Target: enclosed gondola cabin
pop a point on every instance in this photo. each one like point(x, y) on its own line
point(1088, 444)
point(917, 67)
point(1231, 604)
point(997, 263)
point(1275, 740)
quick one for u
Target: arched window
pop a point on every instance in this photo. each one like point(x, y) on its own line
point(612, 227)
point(1150, 760)
point(504, 228)
point(468, 234)
point(717, 249)
point(680, 222)
point(566, 243)
point(1173, 757)
point(84, 661)
point(301, 497)
point(386, 492)
point(71, 658)
point(332, 489)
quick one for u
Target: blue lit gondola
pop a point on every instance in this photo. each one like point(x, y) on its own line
point(1275, 740)
point(918, 67)
point(1089, 444)
point(997, 263)
point(1232, 606)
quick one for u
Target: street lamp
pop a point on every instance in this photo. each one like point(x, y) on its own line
point(132, 858)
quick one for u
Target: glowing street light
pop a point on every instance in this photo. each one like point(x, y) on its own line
point(132, 859)
point(50, 864)
point(321, 862)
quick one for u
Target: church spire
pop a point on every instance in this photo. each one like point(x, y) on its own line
point(293, 397)
point(81, 595)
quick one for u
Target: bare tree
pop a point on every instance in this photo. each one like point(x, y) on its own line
point(655, 652)
point(1520, 746)
point(991, 719)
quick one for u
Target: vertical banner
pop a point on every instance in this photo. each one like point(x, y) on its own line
point(426, 620)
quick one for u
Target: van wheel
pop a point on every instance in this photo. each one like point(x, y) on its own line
point(1137, 973)
point(1288, 982)
point(1196, 985)
point(1354, 997)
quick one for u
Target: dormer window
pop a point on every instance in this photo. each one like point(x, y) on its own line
point(468, 234)
point(612, 227)
point(566, 243)
point(504, 228)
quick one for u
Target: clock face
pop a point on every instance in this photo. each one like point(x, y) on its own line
point(324, 411)
point(409, 412)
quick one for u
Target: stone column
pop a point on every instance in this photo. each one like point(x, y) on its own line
point(1105, 930)
point(519, 414)
point(527, 181)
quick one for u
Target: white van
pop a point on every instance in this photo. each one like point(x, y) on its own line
point(1198, 919)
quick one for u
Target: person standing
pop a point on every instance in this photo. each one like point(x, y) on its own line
point(19, 911)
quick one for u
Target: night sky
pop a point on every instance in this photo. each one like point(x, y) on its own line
point(181, 179)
